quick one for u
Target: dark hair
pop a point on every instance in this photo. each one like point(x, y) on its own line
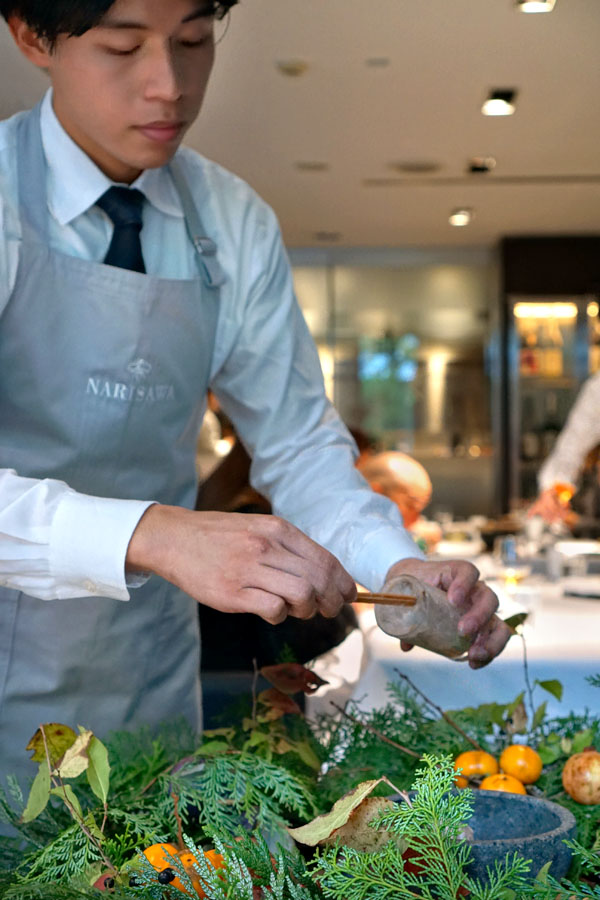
point(50, 18)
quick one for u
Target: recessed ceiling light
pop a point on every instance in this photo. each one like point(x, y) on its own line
point(328, 237)
point(415, 166)
point(500, 103)
point(377, 62)
point(293, 68)
point(310, 165)
point(535, 6)
point(481, 164)
point(461, 217)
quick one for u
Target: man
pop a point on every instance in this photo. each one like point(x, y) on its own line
point(107, 349)
point(401, 478)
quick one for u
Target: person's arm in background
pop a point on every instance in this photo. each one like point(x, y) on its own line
point(560, 472)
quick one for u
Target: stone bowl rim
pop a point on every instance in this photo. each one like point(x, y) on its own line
point(566, 818)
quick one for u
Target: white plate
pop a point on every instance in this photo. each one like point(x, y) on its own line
point(459, 549)
point(577, 548)
point(581, 587)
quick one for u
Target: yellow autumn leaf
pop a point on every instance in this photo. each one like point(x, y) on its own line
point(321, 828)
point(58, 739)
point(76, 759)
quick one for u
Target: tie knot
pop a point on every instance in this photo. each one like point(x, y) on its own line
point(122, 205)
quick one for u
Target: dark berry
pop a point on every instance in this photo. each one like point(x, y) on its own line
point(133, 881)
point(192, 814)
point(166, 876)
point(109, 882)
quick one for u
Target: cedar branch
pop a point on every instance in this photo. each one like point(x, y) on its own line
point(439, 709)
point(378, 734)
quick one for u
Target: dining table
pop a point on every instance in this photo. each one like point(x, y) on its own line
point(558, 641)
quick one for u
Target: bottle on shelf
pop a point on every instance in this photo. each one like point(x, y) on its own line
point(551, 349)
point(530, 439)
point(529, 357)
point(551, 425)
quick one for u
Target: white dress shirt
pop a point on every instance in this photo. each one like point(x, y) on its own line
point(581, 433)
point(55, 542)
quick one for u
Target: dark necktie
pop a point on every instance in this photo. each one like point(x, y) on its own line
point(124, 207)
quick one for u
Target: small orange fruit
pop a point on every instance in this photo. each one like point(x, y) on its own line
point(521, 762)
point(474, 763)
point(502, 782)
point(188, 861)
point(159, 855)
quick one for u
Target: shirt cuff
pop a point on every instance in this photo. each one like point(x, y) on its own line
point(379, 552)
point(88, 545)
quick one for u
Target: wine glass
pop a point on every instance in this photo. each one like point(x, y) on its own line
point(509, 553)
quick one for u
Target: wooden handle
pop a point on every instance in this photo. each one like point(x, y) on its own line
point(386, 599)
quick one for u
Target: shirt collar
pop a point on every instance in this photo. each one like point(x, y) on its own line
point(75, 182)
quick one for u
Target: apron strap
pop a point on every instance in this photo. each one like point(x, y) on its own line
point(206, 249)
point(31, 172)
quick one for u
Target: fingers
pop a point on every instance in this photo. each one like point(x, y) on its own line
point(489, 643)
point(476, 602)
point(304, 574)
point(461, 579)
point(550, 507)
point(271, 608)
point(330, 579)
point(480, 605)
point(258, 564)
point(299, 595)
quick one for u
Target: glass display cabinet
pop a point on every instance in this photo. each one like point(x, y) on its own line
point(553, 345)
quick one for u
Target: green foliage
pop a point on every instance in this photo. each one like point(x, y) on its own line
point(249, 864)
point(244, 786)
point(69, 855)
point(150, 787)
point(561, 737)
point(227, 790)
point(138, 757)
point(431, 824)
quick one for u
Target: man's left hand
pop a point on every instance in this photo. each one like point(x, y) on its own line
point(475, 600)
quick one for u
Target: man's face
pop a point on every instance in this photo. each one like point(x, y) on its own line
point(127, 90)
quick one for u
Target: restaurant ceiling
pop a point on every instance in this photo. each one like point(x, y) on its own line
point(400, 82)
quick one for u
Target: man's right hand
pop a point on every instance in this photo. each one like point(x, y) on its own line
point(240, 563)
point(551, 506)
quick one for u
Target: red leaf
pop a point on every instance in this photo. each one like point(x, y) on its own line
point(292, 678)
point(278, 700)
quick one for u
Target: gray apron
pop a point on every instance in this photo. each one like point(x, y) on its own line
point(103, 383)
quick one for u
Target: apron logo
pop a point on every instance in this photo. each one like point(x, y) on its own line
point(139, 369)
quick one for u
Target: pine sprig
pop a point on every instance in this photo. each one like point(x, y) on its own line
point(503, 878)
point(432, 823)
point(248, 864)
point(69, 855)
point(346, 874)
point(243, 788)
